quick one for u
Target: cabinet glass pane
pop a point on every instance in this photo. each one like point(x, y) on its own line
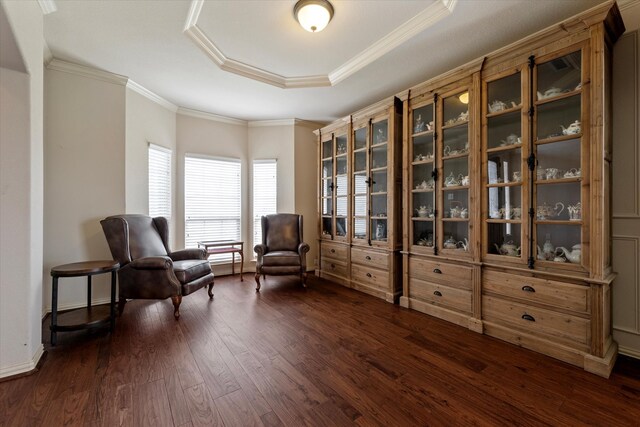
point(455, 235)
point(327, 149)
point(341, 227)
point(504, 239)
point(504, 130)
point(551, 239)
point(341, 206)
point(558, 202)
point(505, 203)
point(327, 206)
point(379, 229)
point(327, 187)
point(360, 205)
point(454, 110)
point(423, 119)
point(456, 172)
point(359, 138)
point(327, 168)
point(360, 228)
point(379, 205)
point(326, 226)
point(456, 204)
point(558, 118)
point(379, 157)
point(360, 161)
point(423, 233)
point(380, 132)
point(504, 94)
point(379, 184)
point(504, 166)
point(341, 145)
point(559, 76)
point(422, 178)
point(456, 141)
point(341, 165)
point(559, 160)
point(423, 148)
point(359, 184)
point(423, 206)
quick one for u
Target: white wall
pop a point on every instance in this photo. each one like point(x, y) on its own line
point(84, 176)
point(21, 106)
point(146, 121)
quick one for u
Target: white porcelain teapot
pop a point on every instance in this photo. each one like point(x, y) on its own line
point(549, 93)
point(573, 129)
point(508, 248)
point(546, 211)
point(451, 181)
point(450, 243)
point(496, 106)
point(573, 255)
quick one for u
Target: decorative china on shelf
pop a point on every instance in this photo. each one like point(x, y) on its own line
point(517, 176)
point(550, 93)
point(428, 242)
point(425, 211)
point(573, 129)
point(463, 244)
point(546, 212)
point(450, 243)
point(426, 185)
point(508, 248)
point(341, 149)
point(573, 255)
point(573, 173)
point(511, 213)
point(421, 157)
point(497, 106)
point(575, 212)
point(420, 125)
point(381, 136)
point(451, 181)
point(512, 139)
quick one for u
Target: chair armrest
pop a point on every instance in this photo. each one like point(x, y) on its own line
point(260, 249)
point(183, 254)
point(303, 248)
point(152, 263)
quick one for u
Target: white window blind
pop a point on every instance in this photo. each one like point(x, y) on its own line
point(211, 201)
point(159, 181)
point(265, 194)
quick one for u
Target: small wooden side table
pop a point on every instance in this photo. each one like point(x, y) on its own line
point(83, 318)
point(232, 247)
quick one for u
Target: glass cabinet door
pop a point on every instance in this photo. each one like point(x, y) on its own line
point(504, 174)
point(422, 154)
point(378, 180)
point(558, 190)
point(341, 186)
point(360, 185)
point(326, 190)
point(455, 180)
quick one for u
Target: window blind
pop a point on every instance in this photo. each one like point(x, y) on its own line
point(211, 201)
point(265, 194)
point(159, 181)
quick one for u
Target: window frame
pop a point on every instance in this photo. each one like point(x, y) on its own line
point(160, 149)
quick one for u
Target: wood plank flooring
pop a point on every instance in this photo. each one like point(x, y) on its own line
point(325, 356)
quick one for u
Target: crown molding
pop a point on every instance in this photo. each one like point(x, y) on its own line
point(151, 96)
point(47, 56)
point(627, 4)
point(81, 70)
point(210, 116)
point(266, 123)
point(47, 6)
point(414, 26)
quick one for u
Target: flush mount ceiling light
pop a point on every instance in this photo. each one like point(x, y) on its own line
point(313, 15)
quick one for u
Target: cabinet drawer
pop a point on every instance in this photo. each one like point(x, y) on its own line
point(333, 250)
point(333, 267)
point(558, 294)
point(540, 321)
point(370, 276)
point(370, 258)
point(458, 276)
point(440, 295)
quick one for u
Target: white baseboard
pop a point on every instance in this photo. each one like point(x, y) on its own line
point(631, 352)
point(71, 306)
point(8, 371)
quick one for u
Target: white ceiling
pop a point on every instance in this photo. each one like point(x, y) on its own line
point(145, 41)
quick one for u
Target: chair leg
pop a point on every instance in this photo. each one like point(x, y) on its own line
point(121, 304)
point(303, 277)
point(177, 299)
point(258, 282)
point(210, 291)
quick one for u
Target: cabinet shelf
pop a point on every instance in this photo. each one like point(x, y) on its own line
point(503, 221)
point(504, 148)
point(455, 219)
point(425, 219)
point(379, 193)
point(455, 156)
point(504, 184)
point(557, 222)
point(557, 181)
point(421, 190)
point(456, 124)
point(558, 138)
point(505, 111)
point(379, 144)
point(423, 133)
point(422, 162)
point(558, 97)
point(379, 169)
point(455, 187)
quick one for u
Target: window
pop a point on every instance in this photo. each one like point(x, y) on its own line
point(211, 201)
point(264, 193)
point(159, 181)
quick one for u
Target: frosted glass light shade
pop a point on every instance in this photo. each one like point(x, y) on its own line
point(313, 15)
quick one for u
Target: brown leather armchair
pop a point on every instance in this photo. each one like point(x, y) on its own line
point(148, 268)
point(282, 251)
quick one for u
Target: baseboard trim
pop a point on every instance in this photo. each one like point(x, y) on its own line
point(22, 369)
point(631, 352)
point(74, 305)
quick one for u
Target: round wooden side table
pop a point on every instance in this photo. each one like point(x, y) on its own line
point(83, 318)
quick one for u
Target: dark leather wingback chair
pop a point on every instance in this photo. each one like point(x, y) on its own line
point(148, 268)
point(282, 251)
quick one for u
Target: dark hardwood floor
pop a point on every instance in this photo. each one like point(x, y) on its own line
point(325, 356)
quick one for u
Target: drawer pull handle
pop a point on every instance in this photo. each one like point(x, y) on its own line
point(368, 258)
point(333, 251)
point(368, 274)
point(528, 288)
point(528, 317)
point(437, 271)
point(437, 293)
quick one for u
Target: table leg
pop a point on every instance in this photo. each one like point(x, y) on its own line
point(241, 265)
point(54, 310)
point(113, 301)
point(233, 263)
point(89, 291)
